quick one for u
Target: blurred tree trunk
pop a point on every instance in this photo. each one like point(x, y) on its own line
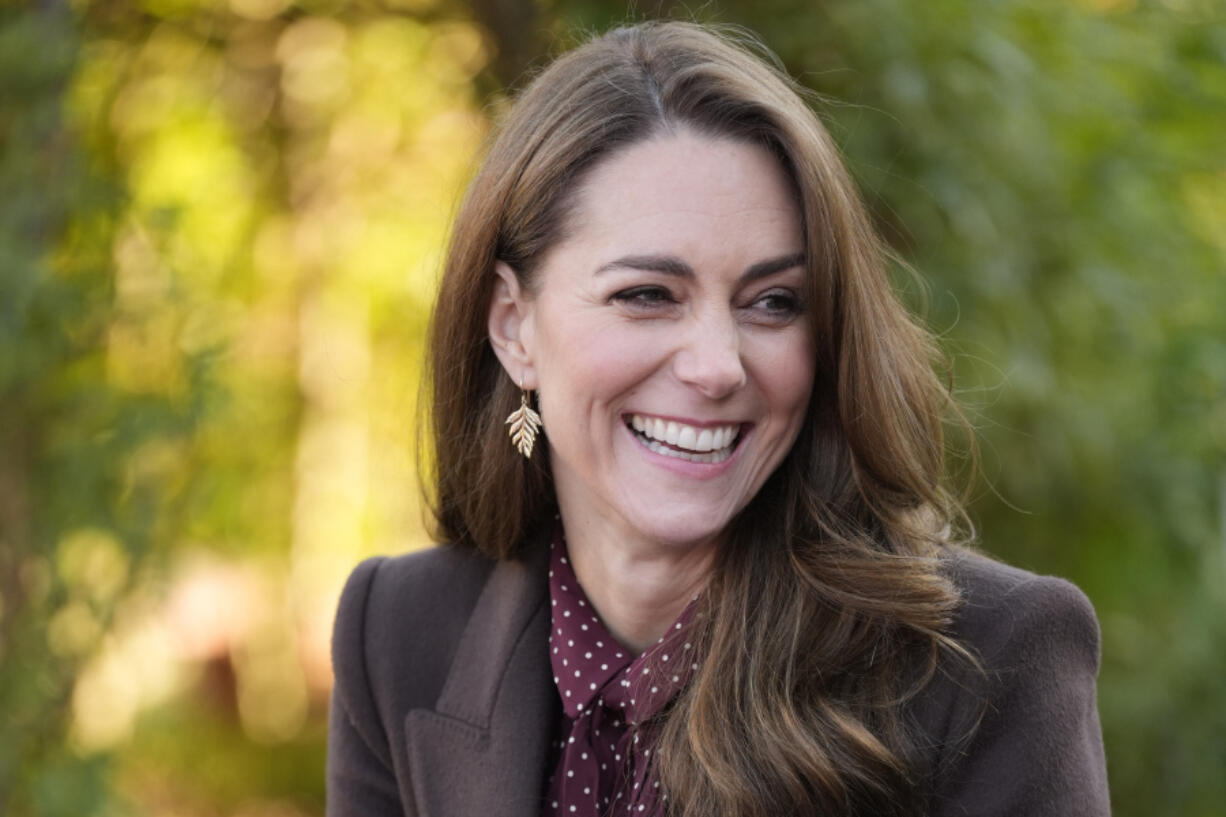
point(55, 300)
point(32, 144)
point(519, 31)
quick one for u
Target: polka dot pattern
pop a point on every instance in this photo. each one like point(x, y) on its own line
point(608, 696)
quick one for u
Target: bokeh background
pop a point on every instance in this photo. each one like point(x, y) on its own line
point(221, 223)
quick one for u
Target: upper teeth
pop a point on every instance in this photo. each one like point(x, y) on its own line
point(685, 436)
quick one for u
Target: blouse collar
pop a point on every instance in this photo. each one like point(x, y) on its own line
point(592, 668)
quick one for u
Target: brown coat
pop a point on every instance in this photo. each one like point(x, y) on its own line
point(444, 700)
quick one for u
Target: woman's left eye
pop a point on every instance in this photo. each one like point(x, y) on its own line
point(778, 303)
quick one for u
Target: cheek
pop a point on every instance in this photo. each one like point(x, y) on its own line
point(787, 376)
point(592, 361)
point(580, 369)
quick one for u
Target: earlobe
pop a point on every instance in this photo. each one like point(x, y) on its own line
point(509, 327)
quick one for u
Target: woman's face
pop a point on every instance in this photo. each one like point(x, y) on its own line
point(668, 339)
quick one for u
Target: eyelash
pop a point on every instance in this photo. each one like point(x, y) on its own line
point(791, 302)
point(655, 297)
point(650, 296)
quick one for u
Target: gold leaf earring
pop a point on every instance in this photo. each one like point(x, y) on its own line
point(524, 423)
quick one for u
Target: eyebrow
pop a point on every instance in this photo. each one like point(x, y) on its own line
point(672, 265)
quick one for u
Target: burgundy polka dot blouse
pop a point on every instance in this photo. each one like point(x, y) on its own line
point(608, 694)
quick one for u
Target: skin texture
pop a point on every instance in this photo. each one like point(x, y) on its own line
point(675, 294)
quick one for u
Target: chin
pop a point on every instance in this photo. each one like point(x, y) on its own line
point(685, 531)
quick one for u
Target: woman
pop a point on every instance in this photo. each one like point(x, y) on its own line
point(709, 574)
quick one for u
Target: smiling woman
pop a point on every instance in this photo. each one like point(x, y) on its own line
point(695, 326)
point(723, 581)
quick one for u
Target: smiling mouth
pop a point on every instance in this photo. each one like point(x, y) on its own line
point(685, 442)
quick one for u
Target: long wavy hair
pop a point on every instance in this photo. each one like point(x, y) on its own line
point(827, 608)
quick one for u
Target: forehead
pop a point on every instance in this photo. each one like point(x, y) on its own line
point(712, 201)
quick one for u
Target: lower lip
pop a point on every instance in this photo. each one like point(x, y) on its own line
point(695, 470)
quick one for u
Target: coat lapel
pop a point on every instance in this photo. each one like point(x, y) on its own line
point(484, 747)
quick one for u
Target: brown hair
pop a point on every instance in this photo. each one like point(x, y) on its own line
point(827, 608)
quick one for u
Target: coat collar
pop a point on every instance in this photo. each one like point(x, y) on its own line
point(483, 749)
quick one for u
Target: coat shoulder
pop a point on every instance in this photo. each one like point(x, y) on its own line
point(397, 626)
point(1015, 730)
point(1005, 608)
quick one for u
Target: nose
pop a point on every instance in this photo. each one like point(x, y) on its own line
point(709, 360)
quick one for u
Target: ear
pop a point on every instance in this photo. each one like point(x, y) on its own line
point(510, 327)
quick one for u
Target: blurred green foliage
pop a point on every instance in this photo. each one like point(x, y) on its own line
point(221, 225)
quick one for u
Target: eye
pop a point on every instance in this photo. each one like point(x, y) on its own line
point(644, 297)
point(779, 305)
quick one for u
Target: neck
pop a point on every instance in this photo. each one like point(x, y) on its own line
point(638, 588)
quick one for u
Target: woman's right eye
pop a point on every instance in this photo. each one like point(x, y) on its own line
point(644, 297)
